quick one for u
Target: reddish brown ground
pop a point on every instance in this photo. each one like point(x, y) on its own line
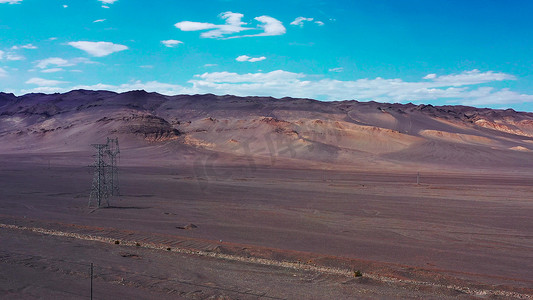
point(469, 230)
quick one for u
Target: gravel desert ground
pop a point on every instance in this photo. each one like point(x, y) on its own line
point(452, 235)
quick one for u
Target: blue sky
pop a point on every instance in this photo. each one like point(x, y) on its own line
point(472, 52)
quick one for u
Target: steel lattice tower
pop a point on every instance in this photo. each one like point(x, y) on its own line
point(99, 191)
point(113, 152)
point(105, 178)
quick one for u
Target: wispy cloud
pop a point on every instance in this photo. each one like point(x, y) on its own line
point(274, 77)
point(52, 70)
point(60, 62)
point(151, 86)
point(99, 21)
point(250, 59)
point(338, 70)
point(27, 46)
point(11, 1)
point(105, 2)
point(469, 77)
point(44, 82)
point(10, 56)
point(171, 43)
point(233, 25)
point(300, 21)
point(3, 73)
point(270, 27)
point(458, 88)
point(14, 56)
point(98, 49)
point(57, 61)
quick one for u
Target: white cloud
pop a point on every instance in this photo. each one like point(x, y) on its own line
point(57, 61)
point(10, 55)
point(98, 49)
point(11, 1)
point(278, 76)
point(44, 82)
point(171, 43)
point(250, 59)
point(338, 70)
point(454, 88)
point(44, 89)
point(14, 56)
point(300, 21)
point(57, 64)
point(255, 59)
point(243, 58)
point(65, 6)
point(233, 25)
point(270, 27)
point(194, 26)
point(27, 46)
point(282, 83)
point(105, 2)
point(52, 70)
point(210, 65)
point(3, 73)
point(99, 20)
point(470, 77)
point(488, 96)
point(151, 86)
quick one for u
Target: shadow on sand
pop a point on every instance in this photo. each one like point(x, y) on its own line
point(125, 207)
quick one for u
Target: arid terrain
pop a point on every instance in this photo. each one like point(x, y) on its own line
point(225, 197)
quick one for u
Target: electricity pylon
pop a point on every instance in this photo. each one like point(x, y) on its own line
point(105, 178)
point(113, 151)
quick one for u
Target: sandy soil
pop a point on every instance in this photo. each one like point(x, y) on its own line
point(469, 231)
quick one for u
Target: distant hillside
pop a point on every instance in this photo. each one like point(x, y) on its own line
point(287, 131)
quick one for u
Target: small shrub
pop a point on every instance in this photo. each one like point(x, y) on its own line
point(357, 273)
point(137, 244)
point(168, 249)
point(117, 242)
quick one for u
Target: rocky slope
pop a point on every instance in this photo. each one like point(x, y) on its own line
point(300, 132)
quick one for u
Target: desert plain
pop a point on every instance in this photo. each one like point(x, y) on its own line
point(224, 197)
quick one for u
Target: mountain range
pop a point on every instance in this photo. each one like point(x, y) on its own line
point(287, 132)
